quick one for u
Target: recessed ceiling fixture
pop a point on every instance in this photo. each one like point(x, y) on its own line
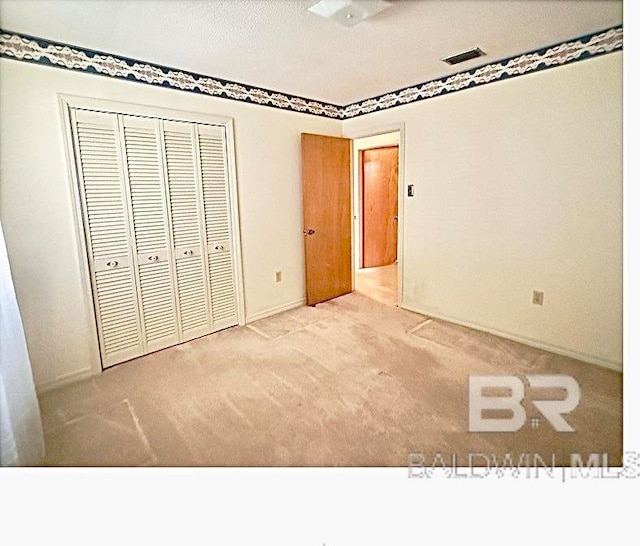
point(349, 12)
point(464, 56)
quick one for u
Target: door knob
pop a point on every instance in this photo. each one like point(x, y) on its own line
point(395, 218)
point(309, 231)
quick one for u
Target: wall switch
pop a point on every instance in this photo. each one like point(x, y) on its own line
point(538, 296)
point(410, 190)
point(278, 276)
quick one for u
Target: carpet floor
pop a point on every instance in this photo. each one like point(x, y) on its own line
point(351, 382)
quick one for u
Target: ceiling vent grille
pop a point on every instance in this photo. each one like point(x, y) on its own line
point(464, 56)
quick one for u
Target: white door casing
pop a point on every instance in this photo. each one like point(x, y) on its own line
point(156, 195)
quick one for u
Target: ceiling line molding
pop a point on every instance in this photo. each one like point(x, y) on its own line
point(31, 49)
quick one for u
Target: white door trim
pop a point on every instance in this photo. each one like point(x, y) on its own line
point(66, 103)
point(355, 235)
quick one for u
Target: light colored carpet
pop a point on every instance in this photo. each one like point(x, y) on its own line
point(486, 347)
point(351, 382)
point(289, 321)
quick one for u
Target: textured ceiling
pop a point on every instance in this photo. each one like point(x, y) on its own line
point(279, 45)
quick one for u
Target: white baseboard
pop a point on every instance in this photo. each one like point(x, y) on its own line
point(276, 310)
point(585, 357)
point(62, 380)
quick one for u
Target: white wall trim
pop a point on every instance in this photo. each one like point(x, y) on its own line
point(584, 357)
point(66, 103)
point(275, 310)
point(66, 379)
point(137, 109)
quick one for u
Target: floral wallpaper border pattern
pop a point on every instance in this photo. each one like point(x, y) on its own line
point(41, 51)
point(586, 47)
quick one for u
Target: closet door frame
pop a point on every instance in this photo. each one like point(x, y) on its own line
point(66, 104)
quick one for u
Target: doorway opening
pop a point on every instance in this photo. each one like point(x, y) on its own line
point(376, 167)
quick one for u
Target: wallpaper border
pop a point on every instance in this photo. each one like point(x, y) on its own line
point(31, 49)
point(25, 48)
point(585, 47)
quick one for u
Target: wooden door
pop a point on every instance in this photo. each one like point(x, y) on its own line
point(326, 184)
point(379, 191)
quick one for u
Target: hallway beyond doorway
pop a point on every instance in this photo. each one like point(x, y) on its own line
point(379, 283)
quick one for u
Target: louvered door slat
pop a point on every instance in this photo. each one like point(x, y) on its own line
point(106, 226)
point(145, 183)
point(214, 186)
point(192, 297)
point(151, 230)
point(223, 292)
point(182, 185)
point(186, 216)
point(215, 189)
point(158, 304)
point(102, 183)
point(156, 209)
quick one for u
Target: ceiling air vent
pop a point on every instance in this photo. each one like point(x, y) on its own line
point(464, 56)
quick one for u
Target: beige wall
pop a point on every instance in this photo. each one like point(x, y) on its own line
point(36, 207)
point(518, 185)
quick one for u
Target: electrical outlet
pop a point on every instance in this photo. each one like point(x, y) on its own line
point(278, 276)
point(538, 296)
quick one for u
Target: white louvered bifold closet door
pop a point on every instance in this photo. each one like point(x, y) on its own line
point(185, 195)
point(154, 258)
point(215, 187)
point(106, 223)
point(155, 200)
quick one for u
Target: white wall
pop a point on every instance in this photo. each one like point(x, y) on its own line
point(518, 185)
point(36, 207)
